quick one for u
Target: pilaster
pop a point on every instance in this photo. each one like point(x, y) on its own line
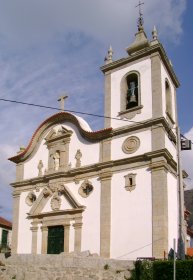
point(105, 150)
point(78, 236)
point(105, 214)
point(159, 208)
point(44, 239)
point(15, 226)
point(157, 106)
point(34, 230)
point(158, 137)
point(19, 171)
point(107, 103)
point(66, 238)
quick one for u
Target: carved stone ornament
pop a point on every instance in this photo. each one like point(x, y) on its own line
point(86, 188)
point(55, 202)
point(31, 197)
point(131, 145)
point(46, 192)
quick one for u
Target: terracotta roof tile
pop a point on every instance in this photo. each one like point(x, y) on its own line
point(190, 252)
point(6, 223)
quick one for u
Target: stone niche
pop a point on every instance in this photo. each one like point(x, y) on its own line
point(58, 146)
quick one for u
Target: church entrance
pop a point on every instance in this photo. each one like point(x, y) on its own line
point(55, 240)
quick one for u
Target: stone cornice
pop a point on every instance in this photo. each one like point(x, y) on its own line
point(57, 213)
point(141, 54)
point(146, 124)
point(100, 168)
point(92, 136)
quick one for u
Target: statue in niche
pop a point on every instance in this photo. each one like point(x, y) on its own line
point(40, 168)
point(56, 158)
point(31, 197)
point(78, 157)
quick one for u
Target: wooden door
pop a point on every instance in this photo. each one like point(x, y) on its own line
point(55, 240)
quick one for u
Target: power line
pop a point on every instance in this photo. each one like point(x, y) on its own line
point(133, 251)
point(73, 111)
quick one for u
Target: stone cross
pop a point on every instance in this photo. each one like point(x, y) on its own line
point(61, 100)
point(140, 20)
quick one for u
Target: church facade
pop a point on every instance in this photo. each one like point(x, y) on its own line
point(113, 192)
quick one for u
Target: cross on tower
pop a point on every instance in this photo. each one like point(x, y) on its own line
point(61, 100)
point(140, 20)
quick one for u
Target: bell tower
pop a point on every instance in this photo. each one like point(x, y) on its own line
point(142, 85)
point(140, 101)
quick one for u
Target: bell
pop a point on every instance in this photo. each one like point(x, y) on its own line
point(132, 90)
point(133, 99)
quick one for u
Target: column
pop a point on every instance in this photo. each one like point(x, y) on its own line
point(105, 214)
point(66, 238)
point(44, 239)
point(77, 236)
point(15, 226)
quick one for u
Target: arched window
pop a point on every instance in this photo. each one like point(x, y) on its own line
point(132, 98)
point(168, 99)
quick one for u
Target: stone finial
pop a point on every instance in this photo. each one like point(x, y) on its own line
point(109, 57)
point(21, 150)
point(154, 33)
point(61, 100)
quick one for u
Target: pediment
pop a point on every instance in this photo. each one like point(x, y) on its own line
point(52, 198)
point(54, 135)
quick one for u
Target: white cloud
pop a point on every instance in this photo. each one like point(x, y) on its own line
point(47, 47)
point(109, 21)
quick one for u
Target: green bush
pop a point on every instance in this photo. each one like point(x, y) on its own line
point(143, 270)
point(163, 270)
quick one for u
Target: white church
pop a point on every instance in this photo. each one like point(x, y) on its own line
point(114, 191)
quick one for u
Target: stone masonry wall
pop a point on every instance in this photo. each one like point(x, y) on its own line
point(63, 267)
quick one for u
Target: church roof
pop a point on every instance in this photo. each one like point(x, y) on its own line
point(80, 123)
point(5, 223)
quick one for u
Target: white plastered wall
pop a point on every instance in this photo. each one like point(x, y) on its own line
point(171, 147)
point(31, 166)
point(91, 216)
point(24, 232)
point(131, 235)
point(145, 145)
point(172, 210)
point(90, 152)
point(144, 69)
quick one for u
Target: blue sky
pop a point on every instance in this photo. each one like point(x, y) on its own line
point(51, 47)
